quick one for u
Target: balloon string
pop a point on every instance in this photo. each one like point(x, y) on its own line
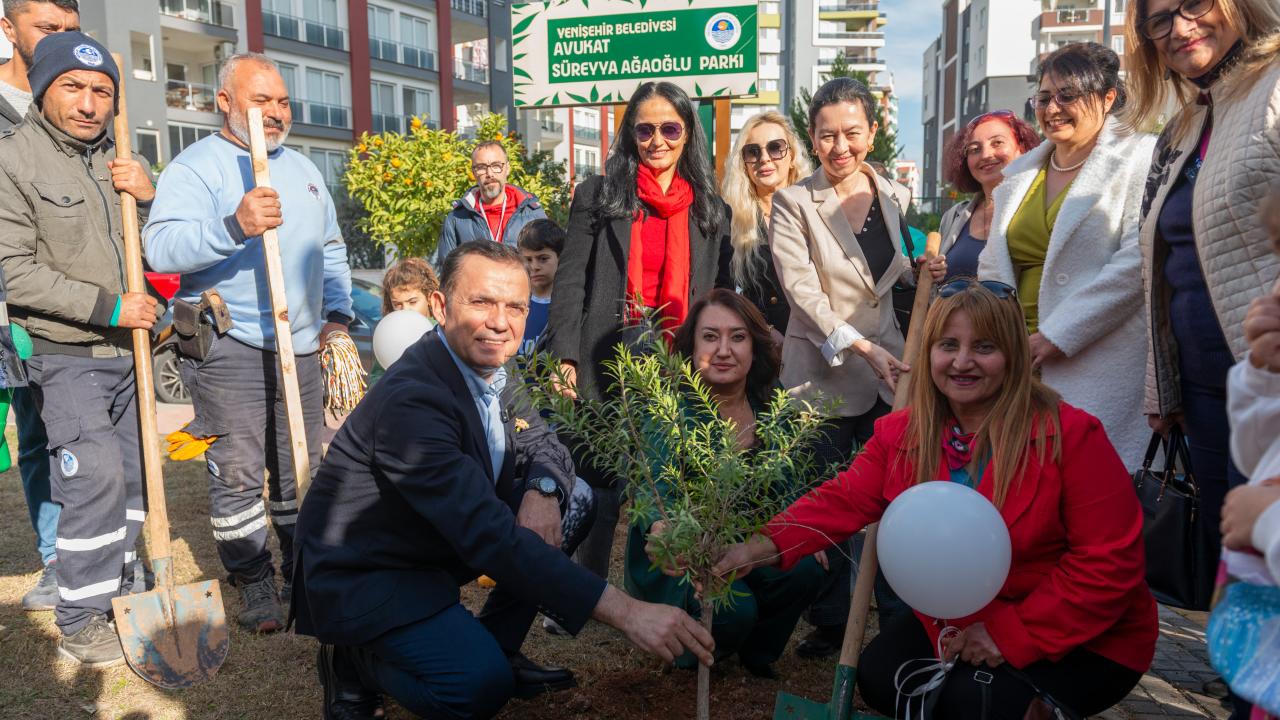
point(934, 668)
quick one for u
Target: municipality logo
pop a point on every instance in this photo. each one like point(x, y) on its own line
point(723, 31)
point(88, 55)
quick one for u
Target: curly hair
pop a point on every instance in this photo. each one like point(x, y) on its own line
point(766, 356)
point(414, 273)
point(955, 169)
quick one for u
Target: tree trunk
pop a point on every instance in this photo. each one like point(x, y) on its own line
point(704, 672)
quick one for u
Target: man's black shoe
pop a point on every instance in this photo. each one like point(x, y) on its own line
point(345, 699)
point(824, 641)
point(533, 679)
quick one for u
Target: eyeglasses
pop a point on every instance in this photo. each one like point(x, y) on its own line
point(753, 154)
point(1062, 97)
point(671, 131)
point(993, 115)
point(959, 285)
point(1158, 26)
point(491, 168)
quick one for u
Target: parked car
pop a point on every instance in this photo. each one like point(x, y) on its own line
point(366, 303)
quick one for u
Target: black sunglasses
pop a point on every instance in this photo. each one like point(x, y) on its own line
point(1158, 26)
point(753, 153)
point(959, 285)
point(670, 130)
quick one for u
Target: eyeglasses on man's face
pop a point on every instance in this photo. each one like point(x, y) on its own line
point(776, 150)
point(1160, 25)
point(490, 168)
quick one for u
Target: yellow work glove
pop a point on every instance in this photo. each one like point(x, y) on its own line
point(185, 446)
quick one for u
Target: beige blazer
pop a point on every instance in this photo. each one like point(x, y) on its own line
point(828, 283)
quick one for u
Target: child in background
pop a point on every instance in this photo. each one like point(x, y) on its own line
point(1251, 513)
point(407, 285)
point(540, 244)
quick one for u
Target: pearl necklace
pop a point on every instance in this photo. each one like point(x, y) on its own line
point(1053, 163)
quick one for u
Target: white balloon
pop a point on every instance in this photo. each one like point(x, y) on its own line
point(944, 548)
point(395, 332)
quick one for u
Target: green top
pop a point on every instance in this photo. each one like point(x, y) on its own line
point(1028, 238)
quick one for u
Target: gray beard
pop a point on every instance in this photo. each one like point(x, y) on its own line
point(239, 124)
point(484, 192)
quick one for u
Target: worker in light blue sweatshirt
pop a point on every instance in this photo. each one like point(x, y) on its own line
point(206, 223)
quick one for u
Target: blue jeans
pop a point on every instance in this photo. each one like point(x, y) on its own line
point(33, 464)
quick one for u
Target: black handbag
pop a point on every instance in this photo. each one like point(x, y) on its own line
point(1180, 568)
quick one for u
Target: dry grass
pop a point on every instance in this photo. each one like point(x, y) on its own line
point(274, 676)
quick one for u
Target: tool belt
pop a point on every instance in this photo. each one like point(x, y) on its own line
point(196, 325)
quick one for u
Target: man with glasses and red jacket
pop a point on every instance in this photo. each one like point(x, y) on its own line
point(492, 210)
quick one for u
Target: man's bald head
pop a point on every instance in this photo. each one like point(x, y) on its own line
point(250, 80)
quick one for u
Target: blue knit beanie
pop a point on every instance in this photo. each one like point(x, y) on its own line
point(62, 52)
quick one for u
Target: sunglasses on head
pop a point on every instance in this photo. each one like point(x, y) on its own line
point(994, 114)
point(776, 149)
point(959, 285)
point(671, 131)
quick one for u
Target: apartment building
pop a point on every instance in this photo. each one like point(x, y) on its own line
point(1062, 22)
point(351, 65)
point(977, 64)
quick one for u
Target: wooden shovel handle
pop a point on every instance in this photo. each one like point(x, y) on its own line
point(280, 314)
point(868, 564)
point(135, 279)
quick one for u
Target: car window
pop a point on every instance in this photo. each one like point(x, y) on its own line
point(366, 304)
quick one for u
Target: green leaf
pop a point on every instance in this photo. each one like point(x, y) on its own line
point(524, 24)
point(518, 39)
point(519, 56)
point(522, 73)
point(595, 94)
point(577, 98)
point(752, 89)
point(697, 90)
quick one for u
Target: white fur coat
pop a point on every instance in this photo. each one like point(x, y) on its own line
point(1090, 302)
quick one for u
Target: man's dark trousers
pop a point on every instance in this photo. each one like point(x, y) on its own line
point(89, 408)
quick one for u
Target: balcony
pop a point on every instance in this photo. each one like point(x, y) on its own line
point(469, 71)
point(849, 7)
point(190, 96)
point(387, 123)
point(552, 127)
point(582, 170)
point(324, 115)
point(204, 11)
point(586, 134)
point(843, 35)
point(390, 51)
point(307, 31)
point(479, 8)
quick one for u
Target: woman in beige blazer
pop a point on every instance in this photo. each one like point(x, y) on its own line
point(837, 246)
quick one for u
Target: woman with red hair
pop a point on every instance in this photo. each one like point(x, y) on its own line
point(975, 163)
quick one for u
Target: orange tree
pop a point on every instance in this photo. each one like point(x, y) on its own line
point(407, 182)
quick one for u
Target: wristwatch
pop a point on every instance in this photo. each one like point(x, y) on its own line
point(545, 486)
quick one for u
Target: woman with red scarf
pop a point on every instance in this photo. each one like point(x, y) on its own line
point(651, 234)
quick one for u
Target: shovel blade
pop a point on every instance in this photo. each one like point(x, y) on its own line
point(174, 637)
point(791, 707)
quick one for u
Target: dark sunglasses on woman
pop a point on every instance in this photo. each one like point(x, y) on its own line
point(671, 131)
point(753, 153)
point(959, 285)
point(1159, 25)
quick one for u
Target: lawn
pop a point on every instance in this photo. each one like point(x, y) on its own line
point(274, 676)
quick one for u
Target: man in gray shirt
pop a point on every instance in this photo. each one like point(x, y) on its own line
point(25, 23)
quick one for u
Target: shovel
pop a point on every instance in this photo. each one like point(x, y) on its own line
point(840, 707)
point(280, 314)
point(173, 636)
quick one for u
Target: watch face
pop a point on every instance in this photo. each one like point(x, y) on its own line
point(547, 486)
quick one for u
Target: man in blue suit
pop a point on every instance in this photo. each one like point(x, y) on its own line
point(442, 474)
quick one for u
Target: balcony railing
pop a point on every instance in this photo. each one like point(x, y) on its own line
point(842, 35)
point(473, 72)
point(479, 8)
point(552, 127)
point(1073, 17)
point(590, 134)
point(466, 131)
point(302, 30)
point(336, 116)
point(388, 123)
point(190, 96)
point(205, 11)
point(391, 51)
point(581, 170)
point(847, 6)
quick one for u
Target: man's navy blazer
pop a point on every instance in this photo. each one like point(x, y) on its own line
point(405, 509)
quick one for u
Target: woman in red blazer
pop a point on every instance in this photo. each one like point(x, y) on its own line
point(1075, 616)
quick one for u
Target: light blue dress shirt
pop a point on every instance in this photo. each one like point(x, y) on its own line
point(487, 394)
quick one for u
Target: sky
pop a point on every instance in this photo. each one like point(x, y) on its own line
point(913, 24)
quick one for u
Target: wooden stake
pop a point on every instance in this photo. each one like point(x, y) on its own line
point(722, 135)
point(280, 314)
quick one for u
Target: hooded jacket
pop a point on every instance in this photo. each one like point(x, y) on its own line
point(466, 222)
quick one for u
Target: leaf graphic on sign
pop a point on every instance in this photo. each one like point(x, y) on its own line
point(752, 89)
point(520, 56)
point(595, 94)
point(697, 89)
point(522, 73)
point(524, 24)
point(577, 98)
point(517, 39)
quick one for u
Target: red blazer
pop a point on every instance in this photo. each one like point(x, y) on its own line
point(1078, 572)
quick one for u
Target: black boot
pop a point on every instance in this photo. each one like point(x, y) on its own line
point(344, 697)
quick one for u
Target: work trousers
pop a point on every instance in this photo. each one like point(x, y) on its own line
point(1082, 681)
point(33, 464)
point(238, 398)
point(89, 409)
point(453, 664)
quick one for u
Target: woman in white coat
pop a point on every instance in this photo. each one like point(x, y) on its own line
point(1066, 235)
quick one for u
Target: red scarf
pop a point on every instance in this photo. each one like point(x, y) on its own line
point(957, 446)
point(666, 225)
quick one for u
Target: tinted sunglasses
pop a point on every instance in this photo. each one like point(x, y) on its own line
point(1158, 26)
point(671, 131)
point(753, 153)
point(959, 285)
point(1062, 97)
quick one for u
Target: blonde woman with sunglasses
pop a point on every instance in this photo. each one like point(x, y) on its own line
point(767, 157)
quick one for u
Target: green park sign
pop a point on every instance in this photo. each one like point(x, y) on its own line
point(594, 52)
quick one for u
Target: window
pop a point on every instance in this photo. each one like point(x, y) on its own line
point(147, 144)
point(415, 36)
point(384, 108)
point(767, 85)
point(183, 136)
point(1117, 44)
point(142, 53)
point(290, 74)
point(324, 99)
point(769, 34)
point(417, 103)
point(500, 54)
point(380, 23)
point(325, 11)
point(332, 165)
